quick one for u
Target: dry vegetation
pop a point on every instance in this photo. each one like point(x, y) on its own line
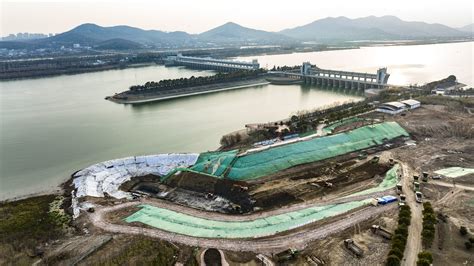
point(26, 227)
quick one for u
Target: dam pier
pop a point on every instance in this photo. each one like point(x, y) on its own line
point(313, 75)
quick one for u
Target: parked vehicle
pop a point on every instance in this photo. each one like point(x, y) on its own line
point(377, 229)
point(416, 186)
point(353, 247)
point(286, 255)
point(418, 197)
point(403, 198)
point(399, 188)
point(425, 177)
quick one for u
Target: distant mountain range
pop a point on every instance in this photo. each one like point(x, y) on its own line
point(467, 28)
point(92, 34)
point(370, 28)
point(323, 30)
point(234, 33)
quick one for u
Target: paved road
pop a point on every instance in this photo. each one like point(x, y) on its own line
point(414, 230)
point(267, 245)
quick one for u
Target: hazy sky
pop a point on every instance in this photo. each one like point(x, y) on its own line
point(195, 16)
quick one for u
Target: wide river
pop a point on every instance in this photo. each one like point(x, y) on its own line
point(51, 127)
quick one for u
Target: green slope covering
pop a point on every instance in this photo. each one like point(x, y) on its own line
point(214, 163)
point(390, 181)
point(184, 224)
point(455, 171)
point(272, 160)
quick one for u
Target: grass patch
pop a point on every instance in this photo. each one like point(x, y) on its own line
point(140, 251)
point(454, 104)
point(28, 223)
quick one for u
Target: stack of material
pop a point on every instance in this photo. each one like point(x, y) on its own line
point(106, 177)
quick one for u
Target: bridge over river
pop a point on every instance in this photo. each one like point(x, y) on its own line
point(211, 63)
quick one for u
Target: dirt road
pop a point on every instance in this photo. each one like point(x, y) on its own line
point(414, 232)
point(295, 239)
point(450, 184)
point(247, 217)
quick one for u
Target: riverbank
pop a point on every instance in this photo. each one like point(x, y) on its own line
point(48, 67)
point(185, 92)
point(189, 124)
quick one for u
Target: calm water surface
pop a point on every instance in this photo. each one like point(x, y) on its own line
point(54, 126)
point(51, 127)
point(415, 64)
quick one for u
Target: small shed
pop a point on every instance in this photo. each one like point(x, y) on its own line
point(411, 104)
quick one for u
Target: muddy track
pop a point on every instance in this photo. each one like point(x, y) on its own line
point(452, 185)
point(296, 239)
point(413, 246)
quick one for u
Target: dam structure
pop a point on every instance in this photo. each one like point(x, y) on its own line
point(211, 63)
point(309, 74)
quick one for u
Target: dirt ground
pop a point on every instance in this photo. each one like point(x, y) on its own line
point(333, 252)
point(332, 178)
point(300, 184)
point(442, 138)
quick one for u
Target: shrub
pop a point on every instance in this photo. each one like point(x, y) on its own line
point(402, 229)
point(468, 245)
point(471, 239)
point(399, 238)
point(404, 220)
point(463, 230)
point(423, 262)
point(425, 255)
point(429, 220)
point(396, 252)
point(405, 213)
point(393, 260)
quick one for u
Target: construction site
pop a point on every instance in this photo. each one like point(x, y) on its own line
point(328, 198)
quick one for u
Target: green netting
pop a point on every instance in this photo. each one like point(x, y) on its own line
point(278, 158)
point(332, 126)
point(455, 171)
point(390, 181)
point(198, 227)
point(214, 163)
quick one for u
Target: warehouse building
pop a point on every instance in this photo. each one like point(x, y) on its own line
point(411, 104)
point(392, 108)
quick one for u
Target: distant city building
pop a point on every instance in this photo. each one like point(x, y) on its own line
point(24, 36)
point(76, 45)
point(445, 87)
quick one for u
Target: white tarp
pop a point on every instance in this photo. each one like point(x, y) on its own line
point(106, 177)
